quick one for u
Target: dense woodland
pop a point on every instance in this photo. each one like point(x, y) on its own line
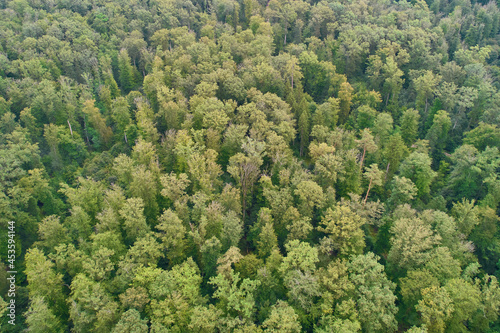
point(251, 165)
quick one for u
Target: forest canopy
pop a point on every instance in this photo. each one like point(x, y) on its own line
point(250, 165)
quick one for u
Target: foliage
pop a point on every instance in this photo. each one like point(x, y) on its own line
point(250, 166)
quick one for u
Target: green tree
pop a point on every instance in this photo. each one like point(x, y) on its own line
point(425, 86)
point(131, 321)
point(235, 295)
point(121, 115)
point(88, 194)
point(438, 133)
point(44, 282)
point(466, 300)
point(374, 294)
point(245, 170)
point(267, 240)
point(232, 229)
point(483, 135)
point(91, 308)
point(344, 228)
point(304, 127)
point(126, 72)
point(374, 177)
point(40, 318)
point(134, 222)
point(417, 168)
point(52, 232)
point(394, 152)
point(466, 215)
point(366, 144)
point(282, 319)
point(413, 283)
point(97, 121)
point(345, 97)
point(327, 114)
point(436, 308)
point(402, 191)
point(310, 196)
point(411, 244)
point(298, 269)
point(172, 234)
point(366, 117)
point(409, 123)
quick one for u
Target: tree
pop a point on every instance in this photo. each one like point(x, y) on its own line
point(394, 152)
point(97, 121)
point(374, 177)
point(79, 224)
point(100, 264)
point(413, 283)
point(304, 126)
point(402, 191)
point(298, 227)
point(343, 227)
point(337, 325)
point(466, 215)
point(345, 97)
point(282, 319)
point(40, 318)
point(367, 144)
point(409, 125)
point(411, 244)
point(145, 121)
point(144, 186)
point(373, 292)
point(205, 319)
point(235, 295)
point(174, 294)
point(310, 196)
point(466, 300)
point(3, 306)
point(465, 175)
point(382, 128)
point(298, 269)
point(52, 232)
point(172, 234)
point(442, 265)
point(438, 133)
point(267, 240)
point(126, 72)
point(417, 168)
point(425, 86)
point(88, 195)
point(300, 256)
point(91, 307)
point(232, 229)
point(245, 170)
point(211, 250)
point(134, 222)
point(327, 165)
point(366, 117)
point(436, 308)
point(286, 12)
point(131, 321)
point(205, 171)
point(121, 115)
point(327, 114)
point(482, 136)
point(44, 283)
point(226, 262)
point(174, 185)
